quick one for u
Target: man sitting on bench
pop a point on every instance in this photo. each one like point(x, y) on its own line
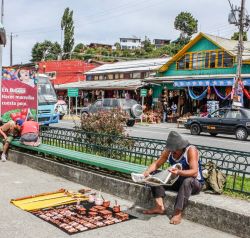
point(190, 179)
point(30, 132)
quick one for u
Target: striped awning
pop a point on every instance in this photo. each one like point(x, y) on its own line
point(208, 82)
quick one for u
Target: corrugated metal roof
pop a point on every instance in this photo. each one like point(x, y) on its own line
point(231, 45)
point(127, 84)
point(130, 66)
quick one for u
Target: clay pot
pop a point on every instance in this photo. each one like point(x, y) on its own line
point(116, 208)
point(98, 201)
point(106, 203)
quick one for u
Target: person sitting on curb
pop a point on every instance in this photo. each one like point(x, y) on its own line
point(30, 132)
point(190, 179)
point(7, 133)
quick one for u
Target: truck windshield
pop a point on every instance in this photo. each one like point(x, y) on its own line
point(46, 93)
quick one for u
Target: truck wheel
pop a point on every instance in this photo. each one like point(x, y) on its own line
point(241, 133)
point(130, 123)
point(195, 129)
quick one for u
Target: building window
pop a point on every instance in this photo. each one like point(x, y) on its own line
point(116, 76)
point(228, 60)
point(51, 75)
point(101, 77)
point(136, 75)
point(180, 64)
point(194, 61)
point(206, 59)
point(110, 76)
point(212, 62)
point(96, 77)
point(121, 76)
point(187, 61)
point(220, 59)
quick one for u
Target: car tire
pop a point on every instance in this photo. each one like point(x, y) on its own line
point(136, 110)
point(213, 134)
point(195, 129)
point(241, 133)
point(130, 123)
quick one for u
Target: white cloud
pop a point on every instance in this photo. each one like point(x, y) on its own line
point(107, 20)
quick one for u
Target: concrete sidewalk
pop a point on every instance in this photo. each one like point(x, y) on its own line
point(19, 180)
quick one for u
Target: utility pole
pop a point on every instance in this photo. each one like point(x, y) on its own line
point(11, 48)
point(1, 59)
point(239, 18)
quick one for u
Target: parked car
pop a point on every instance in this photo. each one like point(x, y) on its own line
point(62, 108)
point(130, 106)
point(231, 121)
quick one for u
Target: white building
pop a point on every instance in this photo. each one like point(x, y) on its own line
point(130, 43)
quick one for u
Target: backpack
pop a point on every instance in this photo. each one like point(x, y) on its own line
point(214, 179)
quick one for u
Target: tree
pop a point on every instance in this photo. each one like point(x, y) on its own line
point(67, 25)
point(46, 50)
point(147, 46)
point(117, 46)
point(186, 23)
point(235, 36)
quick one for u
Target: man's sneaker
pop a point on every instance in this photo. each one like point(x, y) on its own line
point(3, 158)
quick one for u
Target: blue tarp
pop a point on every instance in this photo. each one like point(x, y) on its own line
point(208, 82)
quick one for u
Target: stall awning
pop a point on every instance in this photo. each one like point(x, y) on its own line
point(208, 82)
point(126, 84)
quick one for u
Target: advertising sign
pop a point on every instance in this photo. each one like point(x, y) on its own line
point(19, 94)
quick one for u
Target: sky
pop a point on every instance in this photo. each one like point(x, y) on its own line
point(105, 21)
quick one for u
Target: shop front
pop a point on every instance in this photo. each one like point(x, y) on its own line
point(202, 75)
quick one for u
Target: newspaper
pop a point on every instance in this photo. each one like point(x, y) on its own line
point(165, 177)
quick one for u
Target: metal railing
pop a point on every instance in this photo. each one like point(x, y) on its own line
point(235, 164)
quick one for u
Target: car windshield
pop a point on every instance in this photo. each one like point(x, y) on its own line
point(46, 93)
point(127, 102)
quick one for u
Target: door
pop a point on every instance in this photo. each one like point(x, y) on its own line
point(231, 120)
point(214, 121)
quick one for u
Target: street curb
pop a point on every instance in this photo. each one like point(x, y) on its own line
point(219, 212)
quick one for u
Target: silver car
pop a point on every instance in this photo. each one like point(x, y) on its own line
point(133, 109)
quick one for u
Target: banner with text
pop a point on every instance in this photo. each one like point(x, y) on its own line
point(19, 94)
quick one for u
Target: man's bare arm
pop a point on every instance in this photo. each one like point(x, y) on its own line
point(158, 163)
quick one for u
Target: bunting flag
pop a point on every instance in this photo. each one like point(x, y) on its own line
point(246, 93)
point(195, 97)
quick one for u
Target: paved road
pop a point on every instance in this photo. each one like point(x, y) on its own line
point(160, 131)
point(18, 181)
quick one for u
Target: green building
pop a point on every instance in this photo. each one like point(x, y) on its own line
point(202, 70)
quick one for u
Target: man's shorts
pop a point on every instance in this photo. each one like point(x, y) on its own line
point(29, 137)
point(2, 141)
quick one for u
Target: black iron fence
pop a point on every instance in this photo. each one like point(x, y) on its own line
point(235, 164)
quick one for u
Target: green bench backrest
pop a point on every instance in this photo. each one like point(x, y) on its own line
point(89, 159)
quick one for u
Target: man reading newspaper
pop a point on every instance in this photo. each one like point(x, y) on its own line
point(190, 178)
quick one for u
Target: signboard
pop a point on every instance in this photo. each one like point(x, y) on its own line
point(19, 94)
point(73, 92)
point(143, 92)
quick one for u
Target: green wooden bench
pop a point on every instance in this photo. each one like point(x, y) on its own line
point(89, 159)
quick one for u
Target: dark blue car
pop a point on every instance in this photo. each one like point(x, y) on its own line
point(231, 121)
